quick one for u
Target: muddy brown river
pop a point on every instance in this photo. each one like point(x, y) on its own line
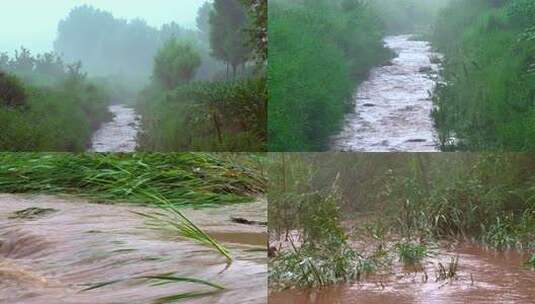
point(484, 276)
point(51, 258)
point(393, 107)
point(120, 134)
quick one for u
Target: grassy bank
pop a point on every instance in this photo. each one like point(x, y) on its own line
point(399, 206)
point(205, 116)
point(318, 53)
point(488, 100)
point(47, 105)
point(184, 179)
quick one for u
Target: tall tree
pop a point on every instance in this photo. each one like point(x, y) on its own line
point(175, 63)
point(203, 21)
point(228, 37)
point(258, 10)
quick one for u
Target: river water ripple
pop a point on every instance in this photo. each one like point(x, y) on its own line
point(53, 257)
point(393, 107)
point(120, 134)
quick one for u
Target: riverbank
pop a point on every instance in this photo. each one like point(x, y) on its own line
point(487, 100)
point(317, 53)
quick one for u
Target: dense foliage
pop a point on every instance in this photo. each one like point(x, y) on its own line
point(206, 116)
point(227, 114)
point(488, 98)
point(47, 105)
point(318, 51)
point(228, 21)
point(175, 63)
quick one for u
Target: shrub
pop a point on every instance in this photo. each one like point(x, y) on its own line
point(12, 91)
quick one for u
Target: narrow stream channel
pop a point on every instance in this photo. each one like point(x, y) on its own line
point(120, 134)
point(393, 107)
point(53, 257)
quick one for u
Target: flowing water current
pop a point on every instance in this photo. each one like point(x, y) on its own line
point(484, 276)
point(52, 257)
point(120, 134)
point(393, 107)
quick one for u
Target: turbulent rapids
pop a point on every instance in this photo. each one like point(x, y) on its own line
point(393, 107)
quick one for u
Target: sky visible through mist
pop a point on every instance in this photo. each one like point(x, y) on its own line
point(33, 23)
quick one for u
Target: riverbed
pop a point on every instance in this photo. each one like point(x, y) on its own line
point(393, 107)
point(54, 256)
point(120, 134)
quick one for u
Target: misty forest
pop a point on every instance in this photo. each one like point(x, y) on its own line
point(401, 75)
point(115, 85)
point(401, 228)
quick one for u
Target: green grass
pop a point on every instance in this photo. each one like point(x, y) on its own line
point(59, 111)
point(172, 218)
point(184, 179)
point(411, 253)
point(487, 102)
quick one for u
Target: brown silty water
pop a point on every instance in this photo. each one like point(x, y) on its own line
point(54, 256)
point(120, 134)
point(483, 276)
point(393, 107)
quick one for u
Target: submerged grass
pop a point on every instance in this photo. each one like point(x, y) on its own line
point(184, 179)
point(411, 253)
point(171, 217)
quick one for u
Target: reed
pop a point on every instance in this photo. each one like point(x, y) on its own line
point(184, 179)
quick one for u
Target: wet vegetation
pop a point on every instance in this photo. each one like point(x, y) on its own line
point(486, 100)
point(317, 51)
point(46, 104)
point(196, 89)
point(168, 182)
point(320, 51)
point(182, 179)
point(227, 113)
point(338, 217)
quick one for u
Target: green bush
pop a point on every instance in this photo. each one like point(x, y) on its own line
point(218, 116)
point(488, 101)
point(12, 92)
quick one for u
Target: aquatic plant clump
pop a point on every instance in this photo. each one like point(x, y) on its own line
point(411, 253)
point(313, 266)
point(184, 179)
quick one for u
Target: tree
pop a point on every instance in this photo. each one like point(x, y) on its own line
point(228, 38)
point(175, 63)
point(203, 21)
point(12, 91)
point(258, 10)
